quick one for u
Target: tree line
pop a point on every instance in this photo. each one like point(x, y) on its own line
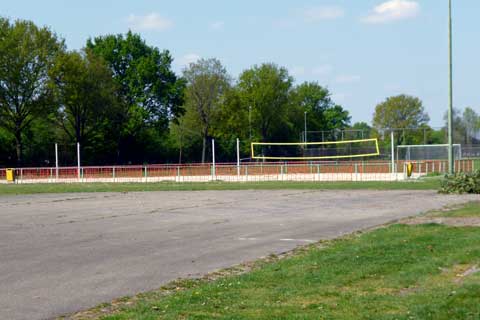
point(120, 99)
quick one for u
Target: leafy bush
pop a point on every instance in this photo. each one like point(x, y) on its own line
point(462, 182)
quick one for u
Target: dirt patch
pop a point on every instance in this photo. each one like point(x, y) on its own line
point(455, 222)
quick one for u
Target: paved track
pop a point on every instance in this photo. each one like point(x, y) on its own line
point(64, 253)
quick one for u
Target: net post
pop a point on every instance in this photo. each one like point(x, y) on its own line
point(56, 161)
point(392, 136)
point(78, 160)
point(238, 158)
point(213, 159)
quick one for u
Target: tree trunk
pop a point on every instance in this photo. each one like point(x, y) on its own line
point(204, 147)
point(19, 147)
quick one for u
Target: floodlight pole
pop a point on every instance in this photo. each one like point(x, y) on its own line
point(305, 120)
point(451, 166)
point(250, 121)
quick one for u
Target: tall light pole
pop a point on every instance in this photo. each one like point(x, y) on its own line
point(451, 160)
point(305, 121)
point(250, 121)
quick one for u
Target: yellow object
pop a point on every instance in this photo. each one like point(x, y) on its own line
point(376, 153)
point(409, 169)
point(10, 175)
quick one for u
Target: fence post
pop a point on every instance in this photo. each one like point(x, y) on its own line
point(146, 173)
point(281, 172)
point(356, 171)
point(21, 174)
point(178, 174)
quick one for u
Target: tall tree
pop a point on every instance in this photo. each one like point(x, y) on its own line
point(150, 92)
point(207, 82)
point(266, 90)
point(400, 112)
point(27, 52)
point(85, 93)
point(322, 114)
point(471, 122)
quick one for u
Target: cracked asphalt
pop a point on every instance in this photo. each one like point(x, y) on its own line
point(62, 253)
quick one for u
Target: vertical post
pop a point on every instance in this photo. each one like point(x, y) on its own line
point(305, 123)
point(250, 121)
point(450, 91)
point(56, 161)
point(78, 160)
point(392, 136)
point(213, 159)
point(238, 157)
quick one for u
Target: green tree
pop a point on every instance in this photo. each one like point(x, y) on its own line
point(27, 52)
point(471, 123)
point(150, 92)
point(207, 82)
point(85, 93)
point(400, 112)
point(266, 89)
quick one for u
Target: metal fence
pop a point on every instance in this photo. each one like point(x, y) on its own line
point(311, 171)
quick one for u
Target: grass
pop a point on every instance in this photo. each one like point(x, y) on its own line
point(397, 272)
point(424, 184)
point(472, 209)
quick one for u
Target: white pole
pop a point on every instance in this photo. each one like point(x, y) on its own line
point(238, 157)
point(392, 136)
point(56, 160)
point(213, 158)
point(78, 159)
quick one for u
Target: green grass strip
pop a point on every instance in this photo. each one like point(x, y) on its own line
point(398, 272)
point(426, 184)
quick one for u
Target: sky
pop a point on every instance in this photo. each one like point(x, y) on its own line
point(362, 50)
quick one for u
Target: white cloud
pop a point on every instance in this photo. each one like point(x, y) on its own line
point(152, 21)
point(217, 25)
point(393, 10)
point(323, 70)
point(188, 58)
point(343, 79)
point(315, 14)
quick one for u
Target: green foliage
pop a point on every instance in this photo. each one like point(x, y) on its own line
point(401, 111)
point(207, 82)
point(462, 182)
point(150, 93)
point(85, 93)
point(266, 90)
point(27, 52)
point(322, 113)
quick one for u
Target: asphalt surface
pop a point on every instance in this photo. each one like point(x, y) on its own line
point(64, 253)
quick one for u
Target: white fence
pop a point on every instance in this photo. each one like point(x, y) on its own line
point(251, 172)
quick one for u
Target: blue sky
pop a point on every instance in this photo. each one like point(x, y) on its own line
point(362, 50)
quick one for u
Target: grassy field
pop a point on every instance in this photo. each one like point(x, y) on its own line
point(470, 210)
point(397, 272)
point(425, 184)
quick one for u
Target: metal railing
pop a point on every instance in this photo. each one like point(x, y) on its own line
point(293, 171)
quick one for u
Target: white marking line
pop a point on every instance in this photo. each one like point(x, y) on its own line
point(247, 239)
